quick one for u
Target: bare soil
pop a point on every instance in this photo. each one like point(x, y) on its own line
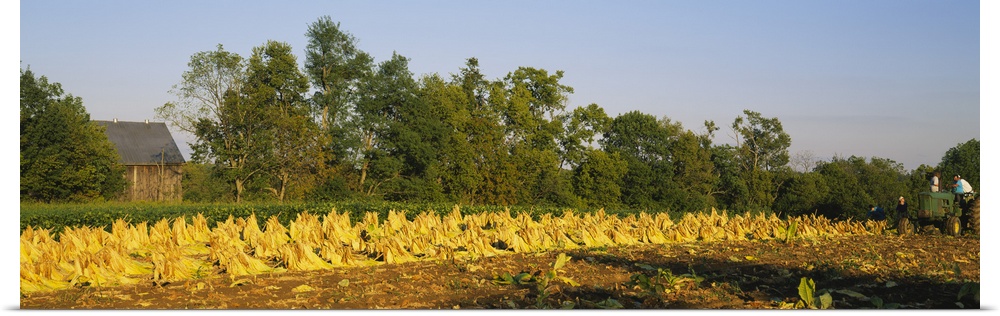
point(920, 272)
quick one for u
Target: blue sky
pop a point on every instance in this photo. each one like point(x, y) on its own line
point(893, 79)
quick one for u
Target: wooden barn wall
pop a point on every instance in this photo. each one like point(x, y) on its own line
point(153, 183)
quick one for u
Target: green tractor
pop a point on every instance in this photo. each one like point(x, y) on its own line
point(944, 211)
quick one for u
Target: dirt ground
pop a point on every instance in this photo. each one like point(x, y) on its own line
point(861, 272)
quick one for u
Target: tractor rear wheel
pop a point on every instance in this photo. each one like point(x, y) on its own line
point(904, 227)
point(953, 226)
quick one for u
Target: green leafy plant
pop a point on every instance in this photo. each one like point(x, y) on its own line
point(508, 279)
point(807, 294)
point(645, 284)
point(544, 282)
point(664, 281)
point(970, 289)
point(790, 231)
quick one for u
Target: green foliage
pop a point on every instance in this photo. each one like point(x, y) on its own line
point(969, 289)
point(856, 183)
point(455, 169)
point(666, 166)
point(753, 168)
point(257, 131)
point(806, 290)
point(372, 131)
point(598, 179)
point(581, 127)
point(963, 160)
point(203, 88)
point(507, 279)
point(918, 180)
point(762, 142)
point(790, 231)
point(807, 294)
point(416, 133)
point(277, 87)
point(664, 281)
point(335, 67)
point(64, 156)
point(202, 185)
point(542, 280)
point(801, 194)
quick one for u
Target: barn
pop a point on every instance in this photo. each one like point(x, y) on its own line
point(151, 158)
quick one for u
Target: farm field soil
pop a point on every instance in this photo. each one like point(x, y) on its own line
point(922, 272)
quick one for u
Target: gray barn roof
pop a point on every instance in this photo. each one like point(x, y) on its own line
point(141, 143)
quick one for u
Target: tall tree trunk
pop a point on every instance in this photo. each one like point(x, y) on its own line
point(326, 109)
point(284, 184)
point(368, 145)
point(239, 190)
point(364, 173)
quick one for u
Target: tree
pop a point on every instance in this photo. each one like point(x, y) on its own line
point(846, 198)
point(884, 179)
point(202, 185)
point(598, 179)
point(277, 87)
point(963, 160)
point(581, 128)
point(760, 157)
point(731, 188)
point(210, 106)
point(854, 183)
point(385, 98)
point(415, 136)
point(643, 143)
point(919, 180)
point(64, 157)
point(479, 157)
point(693, 172)
point(336, 68)
point(668, 167)
point(238, 141)
point(802, 194)
point(803, 161)
point(532, 102)
point(203, 87)
point(456, 170)
point(761, 142)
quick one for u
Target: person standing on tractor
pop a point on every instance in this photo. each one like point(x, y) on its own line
point(936, 182)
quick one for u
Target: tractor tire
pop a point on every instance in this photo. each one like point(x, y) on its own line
point(904, 227)
point(952, 226)
point(974, 216)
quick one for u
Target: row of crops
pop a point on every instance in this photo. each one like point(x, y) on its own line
point(185, 248)
point(55, 217)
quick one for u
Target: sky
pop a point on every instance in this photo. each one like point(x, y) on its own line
point(891, 79)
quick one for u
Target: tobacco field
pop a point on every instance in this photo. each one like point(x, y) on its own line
point(497, 260)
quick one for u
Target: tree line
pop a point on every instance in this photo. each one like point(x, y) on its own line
point(346, 127)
